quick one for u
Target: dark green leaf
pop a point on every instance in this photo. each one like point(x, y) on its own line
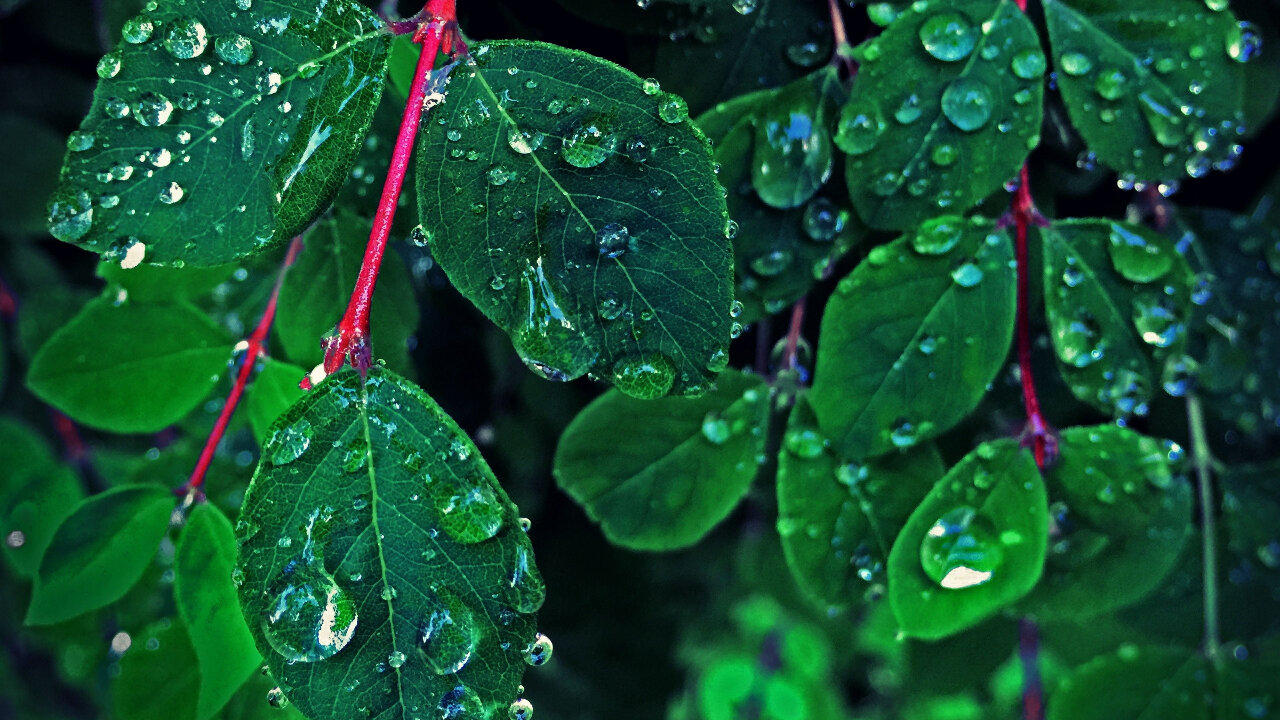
point(929, 318)
point(1135, 682)
point(216, 132)
point(158, 679)
point(99, 552)
point(253, 702)
point(576, 206)
point(32, 514)
point(1117, 300)
point(1120, 519)
point(274, 390)
point(974, 545)
point(778, 254)
point(130, 367)
point(946, 105)
point(206, 599)
point(1250, 505)
point(659, 474)
point(319, 285)
point(29, 152)
point(1155, 90)
point(838, 520)
point(378, 552)
point(792, 157)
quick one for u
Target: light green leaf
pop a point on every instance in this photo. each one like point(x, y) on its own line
point(929, 319)
point(838, 520)
point(158, 679)
point(99, 552)
point(945, 107)
point(130, 367)
point(1120, 519)
point(660, 474)
point(974, 545)
point(32, 514)
point(378, 552)
point(318, 287)
point(273, 390)
point(206, 599)
point(1155, 91)
point(159, 283)
point(1117, 301)
point(580, 213)
point(216, 132)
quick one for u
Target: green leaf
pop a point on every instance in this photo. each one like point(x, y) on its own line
point(379, 552)
point(678, 468)
point(246, 123)
point(929, 318)
point(838, 520)
point(1155, 91)
point(130, 367)
point(778, 254)
point(792, 155)
point(253, 701)
point(274, 390)
point(159, 283)
point(318, 286)
point(1135, 682)
point(32, 514)
point(158, 679)
point(974, 545)
point(99, 552)
point(580, 213)
point(1120, 519)
point(206, 599)
point(945, 107)
point(1117, 301)
point(727, 52)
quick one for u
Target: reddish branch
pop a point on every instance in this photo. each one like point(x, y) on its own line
point(840, 36)
point(255, 348)
point(1029, 656)
point(1037, 434)
point(436, 30)
point(793, 335)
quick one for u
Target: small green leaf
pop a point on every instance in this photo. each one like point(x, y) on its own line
point(99, 552)
point(318, 286)
point(206, 599)
point(1136, 682)
point(576, 206)
point(215, 134)
point(1117, 300)
point(974, 545)
point(677, 468)
point(130, 367)
point(379, 552)
point(1156, 93)
point(32, 514)
point(778, 254)
point(158, 679)
point(1120, 519)
point(838, 520)
point(945, 107)
point(274, 390)
point(929, 318)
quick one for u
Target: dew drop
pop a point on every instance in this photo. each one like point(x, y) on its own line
point(967, 103)
point(960, 550)
point(645, 376)
point(186, 39)
point(948, 36)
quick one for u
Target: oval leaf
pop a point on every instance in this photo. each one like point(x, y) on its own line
point(1136, 682)
point(1156, 94)
point(217, 131)
point(581, 214)
point(130, 367)
point(99, 552)
point(975, 544)
point(907, 313)
point(837, 520)
point(385, 571)
point(685, 462)
point(945, 107)
point(158, 678)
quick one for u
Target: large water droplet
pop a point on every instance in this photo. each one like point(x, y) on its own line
point(528, 591)
point(469, 515)
point(960, 549)
point(538, 652)
point(310, 617)
point(289, 443)
point(859, 128)
point(938, 236)
point(152, 109)
point(1135, 257)
point(1244, 42)
point(1075, 63)
point(588, 144)
point(613, 239)
point(235, 49)
point(137, 30)
point(448, 635)
point(71, 216)
point(967, 103)
point(186, 38)
point(646, 376)
point(822, 220)
point(948, 36)
point(548, 340)
point(1028, 64)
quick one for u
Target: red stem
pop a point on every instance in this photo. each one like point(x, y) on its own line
point(1029, 654)
point(255, 348)
point(793, 334)
point(839, 35)
point(439, 29)
point(1037, 431)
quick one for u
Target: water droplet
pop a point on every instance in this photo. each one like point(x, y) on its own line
point(938, 236)
point(521, 709)
point(468, 514)
point(79, 141)
point(904, 434)
point(171, 193)
point(967, 274)
point(448, 635)
point(235, 49)
point(289, 443)
point(672, 108)
point(588, 145)
point(277, 699)
point(944, 155)
point(960, 550)
point(1244, 42)
point(499, 175)
point(1028, 64)
point(538, 652)
point(71, 216)
point(613, 239)
point(524, 141)
point(967, 103)
point(772, 262)
point(1075, 63)
point(804, 443)
point(528, 591)
point(310, 617)
point(1110, 84)
point(109, 66)
point(715, 428)
point(645, 376)
point(186, 38)
point(822, 220)
point(548, 340)
point(910, 110)
point(948, 36)
point(1135, 257)
point(745, 7)
point(137, 30)
point(859, 129)
point(152, 109)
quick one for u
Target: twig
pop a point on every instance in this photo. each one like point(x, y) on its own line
point(1037, 433)
point(793, 334)
point(840, 37)
point(1201, 456)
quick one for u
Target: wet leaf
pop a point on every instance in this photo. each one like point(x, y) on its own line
point(130, 367)
point(945, 107)
point(838, 519)
point(974, 545)
point(1117, 301)
point(99, 552)
point(660, 474)
point(929, 317)
point(384, 569)
point(273, 390)
point(1156, 91)
point(580, 213)
point(1120, 519)
point(216, 132)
